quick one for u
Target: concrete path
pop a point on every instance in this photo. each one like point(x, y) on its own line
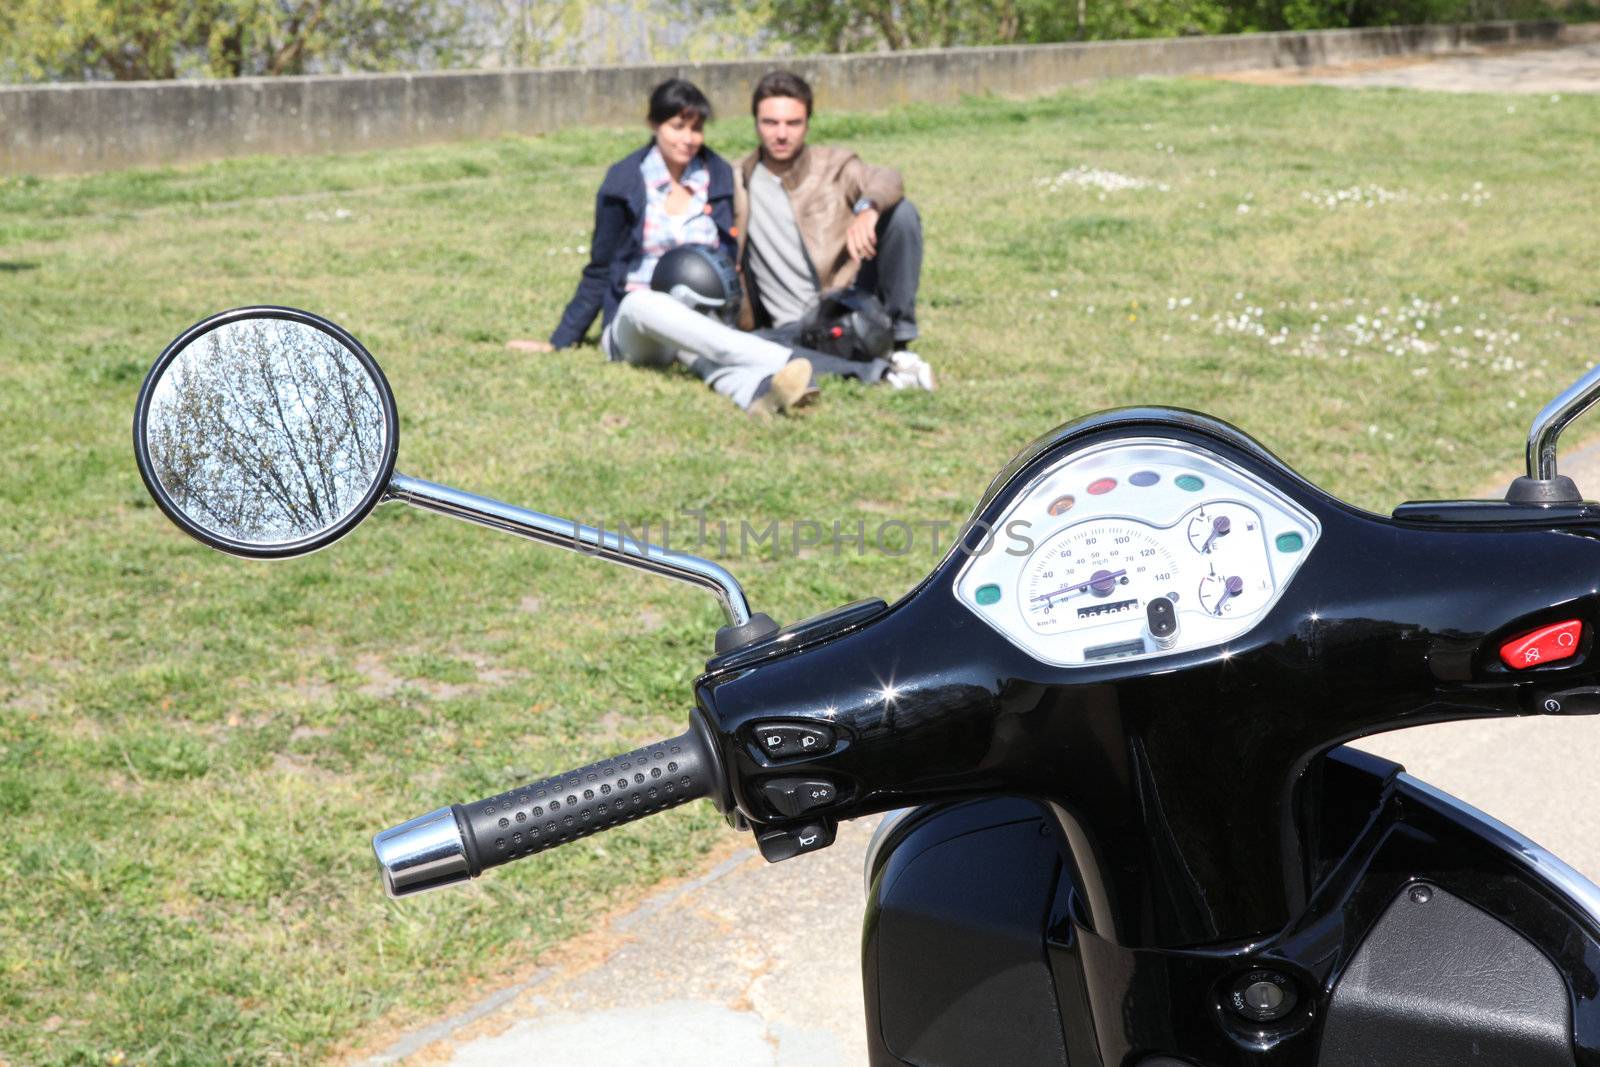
point(1572, 68)
point(749, 965)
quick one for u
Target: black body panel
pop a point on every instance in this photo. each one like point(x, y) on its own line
point(1438, 983)
point(953, 957)
point(1509, 965)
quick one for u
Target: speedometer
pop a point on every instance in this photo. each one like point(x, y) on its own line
point(1093, 572)
point(1140, 547)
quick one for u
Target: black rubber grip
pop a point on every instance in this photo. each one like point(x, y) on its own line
point(565, 807)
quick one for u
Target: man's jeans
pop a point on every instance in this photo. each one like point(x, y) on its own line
point(895, 272)
point(653, 329)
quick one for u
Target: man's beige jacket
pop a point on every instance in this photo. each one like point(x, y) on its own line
point(823, 185)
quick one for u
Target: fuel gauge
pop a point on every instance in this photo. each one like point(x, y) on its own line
point(1213, 527)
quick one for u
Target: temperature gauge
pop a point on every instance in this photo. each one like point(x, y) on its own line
point(1228, 594)
point(1217, 593)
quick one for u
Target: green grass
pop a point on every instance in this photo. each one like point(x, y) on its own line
point(194, 749)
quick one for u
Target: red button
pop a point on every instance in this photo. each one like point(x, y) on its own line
point(1544, 645)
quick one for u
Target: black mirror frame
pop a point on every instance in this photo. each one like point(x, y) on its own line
point(380, 488)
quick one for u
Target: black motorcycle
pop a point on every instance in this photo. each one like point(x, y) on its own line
point(1109, 726)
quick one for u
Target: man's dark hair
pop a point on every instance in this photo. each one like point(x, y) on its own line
point(675, 97)
point(781, 83)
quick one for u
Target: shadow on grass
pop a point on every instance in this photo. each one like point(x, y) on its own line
point(15, 267)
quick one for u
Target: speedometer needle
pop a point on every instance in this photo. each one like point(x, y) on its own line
point(1102, 582)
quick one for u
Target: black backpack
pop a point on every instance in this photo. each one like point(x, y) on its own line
point(848, 323)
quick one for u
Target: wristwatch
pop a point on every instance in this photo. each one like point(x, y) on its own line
point(864, 204)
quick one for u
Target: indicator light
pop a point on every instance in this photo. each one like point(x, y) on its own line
point(1189, 483)
point(988, 594)
point(1061, 505)
point(1290, 542)
point(1143, 478)
point(1102, 486)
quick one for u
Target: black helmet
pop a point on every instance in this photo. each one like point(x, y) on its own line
point(701, 277)
point(850, 323)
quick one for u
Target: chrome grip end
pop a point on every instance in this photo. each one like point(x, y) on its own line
point(425, 853)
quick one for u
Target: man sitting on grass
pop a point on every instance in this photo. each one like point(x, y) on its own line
point(817, 218)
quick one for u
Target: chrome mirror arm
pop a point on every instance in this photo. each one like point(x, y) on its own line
point(569, 534)
point(1553, 418)
point(1544, 484)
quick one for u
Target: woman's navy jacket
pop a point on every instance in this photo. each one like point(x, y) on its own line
point(617, 243)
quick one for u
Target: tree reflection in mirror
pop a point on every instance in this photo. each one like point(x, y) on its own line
point(266, 431)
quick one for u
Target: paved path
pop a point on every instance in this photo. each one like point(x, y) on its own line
point(750, 965)
point(1572, 68)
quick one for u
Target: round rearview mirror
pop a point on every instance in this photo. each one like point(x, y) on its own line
point(266, 432)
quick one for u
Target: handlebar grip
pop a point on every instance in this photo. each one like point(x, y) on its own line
point(460, 842)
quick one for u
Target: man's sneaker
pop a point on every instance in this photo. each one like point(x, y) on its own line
point(791, 388)
point(907, 370)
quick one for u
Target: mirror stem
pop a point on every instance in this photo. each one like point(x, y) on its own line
point(570, 534)
point(1553, 418)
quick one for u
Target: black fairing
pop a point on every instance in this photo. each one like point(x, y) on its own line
point(1180, 783)
point(954, 967)
point(1489, 961)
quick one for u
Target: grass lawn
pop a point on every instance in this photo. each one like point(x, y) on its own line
point(1382, 287)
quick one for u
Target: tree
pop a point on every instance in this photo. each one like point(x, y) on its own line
point(864, 25)
point(527, 33)
point(867, 25)
point(265, 431)
point(156, 39)
point(41, 39)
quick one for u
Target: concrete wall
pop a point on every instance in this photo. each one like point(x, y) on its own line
point(101, 126)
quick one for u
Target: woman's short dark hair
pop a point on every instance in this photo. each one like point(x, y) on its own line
point(675, 97)
point(781, 83)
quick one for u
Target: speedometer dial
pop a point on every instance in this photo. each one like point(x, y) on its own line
point(1094, 572)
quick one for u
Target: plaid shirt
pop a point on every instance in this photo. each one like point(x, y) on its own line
point(661, 232)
